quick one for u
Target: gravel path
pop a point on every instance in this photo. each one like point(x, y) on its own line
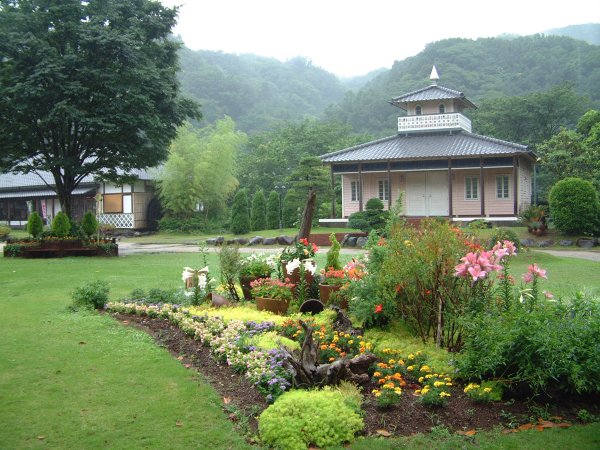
point(583, 254)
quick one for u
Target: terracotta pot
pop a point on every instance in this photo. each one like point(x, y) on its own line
point(325, 291)
point(272, 304)
point(294, 277)
point(245, 281)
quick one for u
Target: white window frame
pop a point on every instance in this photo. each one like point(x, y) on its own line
point(502, 189)
point(469, 179)
point(354, 191)
point(383, 189)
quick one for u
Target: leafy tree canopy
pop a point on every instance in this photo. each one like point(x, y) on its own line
point(200, 169)
point(87, 87)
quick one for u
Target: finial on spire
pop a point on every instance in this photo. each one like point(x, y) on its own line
point(434, 77)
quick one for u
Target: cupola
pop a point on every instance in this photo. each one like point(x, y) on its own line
point(433, 108)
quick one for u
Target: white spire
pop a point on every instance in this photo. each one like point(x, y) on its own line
point(434, 77)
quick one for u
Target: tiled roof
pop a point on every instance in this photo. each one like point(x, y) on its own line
point(432, 145)
point(19, 181)
point(432, 92)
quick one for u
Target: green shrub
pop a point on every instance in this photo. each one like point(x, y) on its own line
point(89, 224)
point(574, 206)
point(258, 217)
point(35, 224)
point(301, 418)
point(478, 224)
point(240, 216)
point(61, 226)
point(503, 234)
point(91, 295)
point(4, 232)
point(173, 224)
point(333, 254)
point(273, 211)
point(372, 218)
point(540, 345)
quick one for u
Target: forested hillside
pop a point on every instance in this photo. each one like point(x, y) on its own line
point(256, 92)
point(482, 69)
point(588, 32)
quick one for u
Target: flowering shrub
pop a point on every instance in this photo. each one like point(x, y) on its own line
point(482, 394)
point(333, 277)
point(306, 265)
point(389, 377)
point(197, 284)
point(257, 265)
point(272, 288)
point(435, 390)
point(301, 250)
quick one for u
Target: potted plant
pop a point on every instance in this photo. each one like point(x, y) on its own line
point(272, 294)
point(253, 267)
point(534, 218)
point(331, 280)
point(298, 257)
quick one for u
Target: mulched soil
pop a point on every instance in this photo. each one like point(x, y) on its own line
point(244, 404)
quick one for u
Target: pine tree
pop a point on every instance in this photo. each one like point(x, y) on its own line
point(273, 212)
point(35, 225)
point(259, 211)
point(240, 217)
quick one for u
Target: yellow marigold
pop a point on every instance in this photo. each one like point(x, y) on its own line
point(378, 394)
point(401, 362)
point(444, 394)
point(421, 379)
point(448, 384)
point(425, 368)
point(376, 374)
point(351, 341)
point(419, 353)
point(397, 376)
point(470, 387)
point(398, 391)
point(375, 391)
point(448, 379)
point(389, 386)
point(428, 376)
point(487, 390)
point(418, 391)
point(411, 356)
point(438, 384)
point(391, 362)
point(410, 368)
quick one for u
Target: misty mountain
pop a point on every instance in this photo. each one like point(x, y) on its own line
point(589, 32)
point(257, 92)
point(482, 69)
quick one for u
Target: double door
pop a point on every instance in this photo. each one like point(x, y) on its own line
point(427, 193)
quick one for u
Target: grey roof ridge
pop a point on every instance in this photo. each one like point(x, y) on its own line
point(356, 147)
point(423, 89)
point(495, 140)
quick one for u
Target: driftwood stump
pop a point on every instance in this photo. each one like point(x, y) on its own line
point(307, 215)
point(309, 373)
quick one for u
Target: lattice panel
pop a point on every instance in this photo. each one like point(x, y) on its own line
point(118, 220)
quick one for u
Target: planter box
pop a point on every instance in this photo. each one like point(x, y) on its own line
point(60, 252)
point(273, 305)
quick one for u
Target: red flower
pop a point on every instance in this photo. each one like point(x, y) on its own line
point(304, 241)
point(378, 308)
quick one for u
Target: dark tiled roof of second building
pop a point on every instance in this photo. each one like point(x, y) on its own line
point(432, 92)
point(431, 145)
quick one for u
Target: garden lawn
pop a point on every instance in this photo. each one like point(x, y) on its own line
point(85, 381)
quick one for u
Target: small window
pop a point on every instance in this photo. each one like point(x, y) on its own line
point(471, 188)
point(418, 111)
point(383, 189)
point(502, 184)
point(354, 191)
point(442, 108)
point(113, 203)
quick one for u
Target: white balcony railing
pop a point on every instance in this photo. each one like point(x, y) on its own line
point(431, 122)
point(118, 220)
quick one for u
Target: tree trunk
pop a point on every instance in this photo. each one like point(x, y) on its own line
point(307, 215)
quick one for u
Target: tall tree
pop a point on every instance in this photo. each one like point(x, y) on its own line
point(310, 175)
point(240, 213)
point(200, 169)
point(273, 211)
point(87, 87)
point(258, 215)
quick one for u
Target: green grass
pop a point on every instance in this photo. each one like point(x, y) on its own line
point(84, 381)
point(184, 238)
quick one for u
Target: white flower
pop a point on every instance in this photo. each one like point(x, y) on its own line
point(292, 265)
point(188, 272)
point(202, 282)
point(310, 266)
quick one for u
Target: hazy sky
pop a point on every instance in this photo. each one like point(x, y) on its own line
point(353, 37)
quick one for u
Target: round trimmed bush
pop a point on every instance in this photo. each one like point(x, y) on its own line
point(61, 226)
point(374, 204)
point(574, 206)
point(301, 418)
